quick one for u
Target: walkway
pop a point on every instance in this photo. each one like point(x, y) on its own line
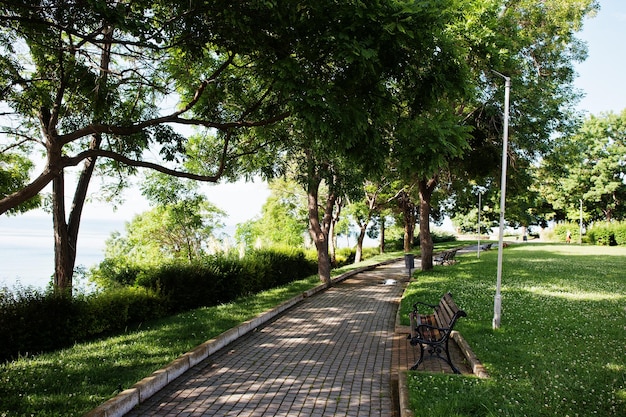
point(329, 355)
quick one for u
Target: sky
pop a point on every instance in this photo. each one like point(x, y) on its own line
point(602, 79)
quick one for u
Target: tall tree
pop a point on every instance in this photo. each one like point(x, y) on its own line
point(588, 166)
point(337, 128)
point(87, 81)
point(365, 210)
point(534, 44)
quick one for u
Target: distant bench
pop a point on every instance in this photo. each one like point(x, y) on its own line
point(433, 330)
point(487, 246)
point(445, 257)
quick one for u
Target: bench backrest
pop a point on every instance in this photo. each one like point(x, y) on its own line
point(447, 312)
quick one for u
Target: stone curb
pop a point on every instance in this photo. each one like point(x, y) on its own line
point(128, 399)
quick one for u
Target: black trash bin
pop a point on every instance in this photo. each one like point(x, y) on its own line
point(409, 260)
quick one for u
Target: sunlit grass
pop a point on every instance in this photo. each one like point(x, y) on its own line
point(561, 349)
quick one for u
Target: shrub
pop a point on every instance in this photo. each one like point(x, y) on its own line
point(222, 278)
point(619, 232)
point(34, 321)
point(608, 233)
point(561, 229)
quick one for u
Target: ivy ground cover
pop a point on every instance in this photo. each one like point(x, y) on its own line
point(561, 347)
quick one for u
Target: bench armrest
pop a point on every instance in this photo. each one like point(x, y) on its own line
point(434, 307)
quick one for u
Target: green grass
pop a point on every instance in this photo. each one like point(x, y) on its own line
point(72, 381)
point(561, 347)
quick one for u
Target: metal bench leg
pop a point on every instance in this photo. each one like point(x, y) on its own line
point(454, 368)
point(414, 367)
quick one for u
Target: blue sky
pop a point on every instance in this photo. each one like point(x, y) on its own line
point(603, 75)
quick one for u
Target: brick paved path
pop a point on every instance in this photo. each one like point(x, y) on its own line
point(327, 356)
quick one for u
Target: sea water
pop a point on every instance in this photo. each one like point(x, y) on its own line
point(27, 247)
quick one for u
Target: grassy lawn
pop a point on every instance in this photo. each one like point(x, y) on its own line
point(73, 381)
point(561, 348)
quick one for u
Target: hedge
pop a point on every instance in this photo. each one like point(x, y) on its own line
point(34, 321)
point(607, 233)
point(600, 233)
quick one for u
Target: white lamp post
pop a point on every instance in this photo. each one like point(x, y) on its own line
point(497, 305)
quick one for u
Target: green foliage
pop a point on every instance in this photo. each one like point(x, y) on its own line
point(588, 166)
point(14, 174)
point(33, 321)
point(283, 220)
point(92, 372)
point(607, 234)
point(438, 236)
point(559, 234)
point(177, 229)
point(221, 278)
point(559, 350)
point(599, 233)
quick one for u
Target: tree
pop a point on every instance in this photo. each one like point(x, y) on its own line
point(588, 166)
point(179, 228)
point(282, 221)
point(363, 211)
point(87, 81)
point(534, 44)
point(409, 48)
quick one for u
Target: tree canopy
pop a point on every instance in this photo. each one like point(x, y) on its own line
point(588, 166)
point(335, 92)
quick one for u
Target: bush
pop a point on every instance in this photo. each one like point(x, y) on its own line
point(619, 232)
point(438, 236)
point(34, 321)
point(608, 233)
point(222, 278)
point(560, 232)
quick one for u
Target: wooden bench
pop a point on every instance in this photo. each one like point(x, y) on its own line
point(445, 257)
point(487, 246)
point(433, 330)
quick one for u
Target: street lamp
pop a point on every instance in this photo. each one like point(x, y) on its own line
point(497, 304)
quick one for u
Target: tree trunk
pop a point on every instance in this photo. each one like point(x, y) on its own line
point(66, 233)
point(381, 245)
point(359, 243)
point(332, 244)
point(408, 214)
point(426, 189)
point(332, 237)
point(64, 249)
point(318, 229)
